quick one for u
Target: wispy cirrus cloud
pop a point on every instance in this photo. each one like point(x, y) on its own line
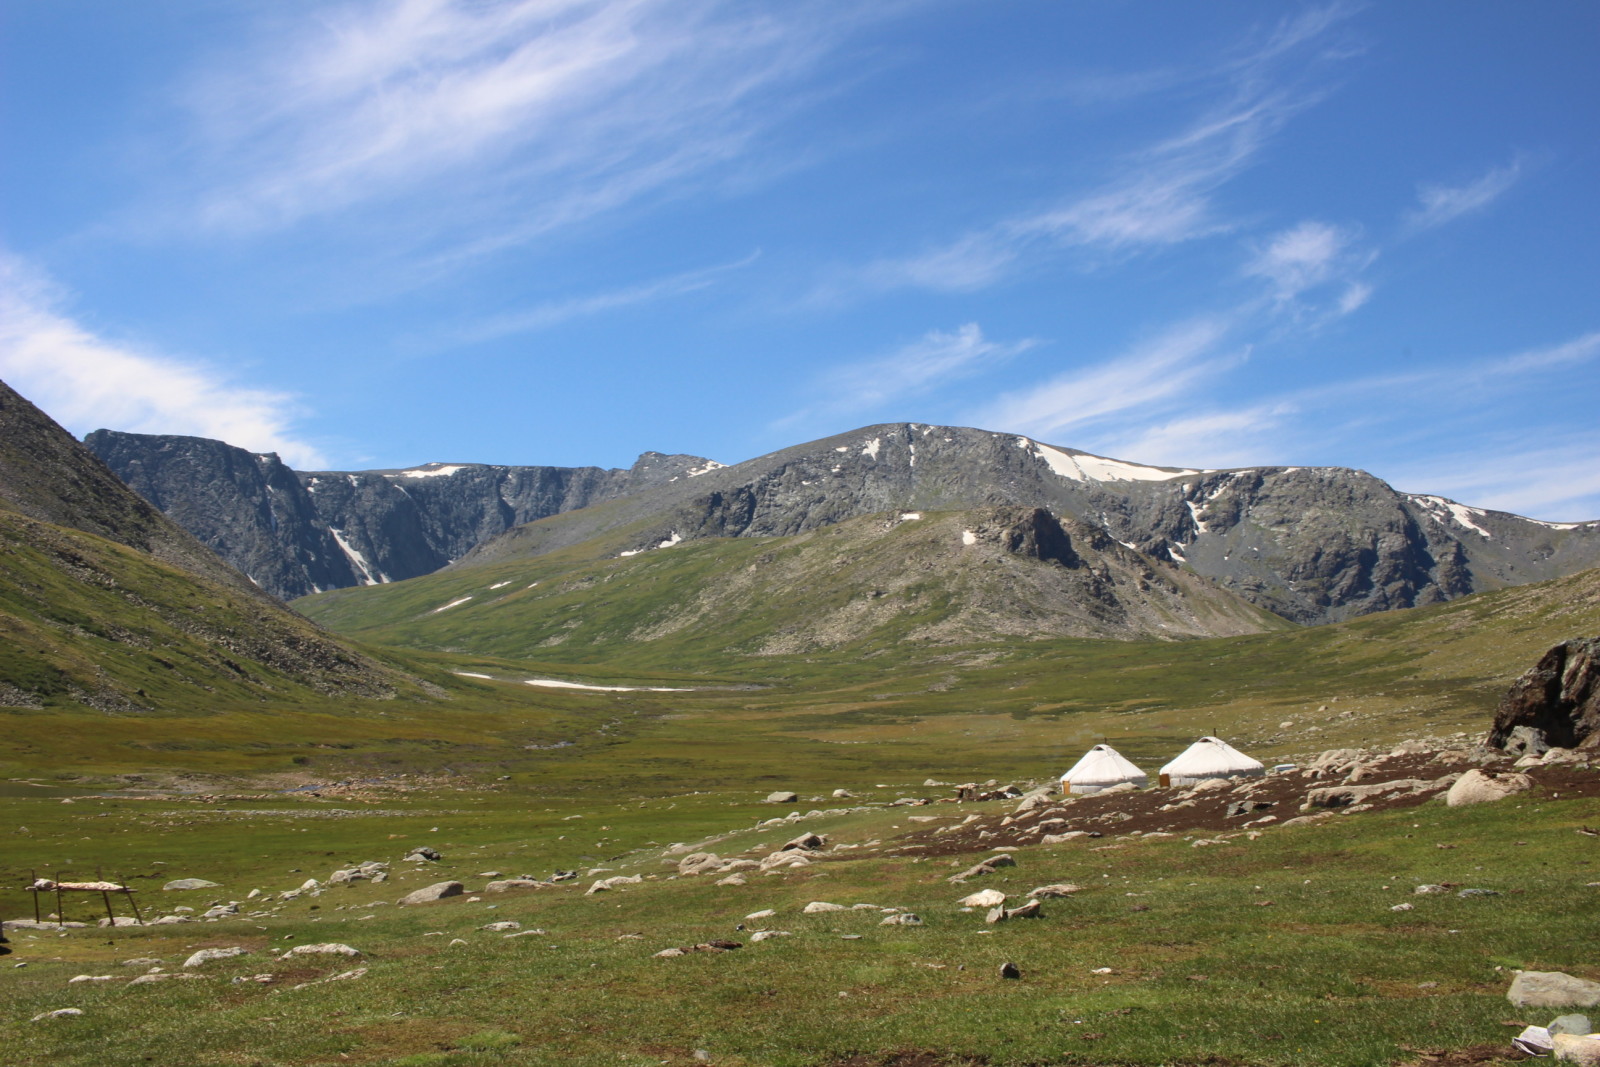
point(1141, 383)
point(86, 381)
point(541, 113)
point(1441, 204)
point(555, 312)
point(1159, 196)
point(913, 370)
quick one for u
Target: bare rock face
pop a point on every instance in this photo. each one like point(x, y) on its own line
point(1556, 704)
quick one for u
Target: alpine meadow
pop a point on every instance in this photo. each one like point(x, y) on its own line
point(930, 534)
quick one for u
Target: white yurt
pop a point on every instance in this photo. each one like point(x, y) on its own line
point(1210, 757)
point(1101, 768)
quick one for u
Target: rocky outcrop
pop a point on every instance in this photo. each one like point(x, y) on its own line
point(296, 533)
point(1556, 704)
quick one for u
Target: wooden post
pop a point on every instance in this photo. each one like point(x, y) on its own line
point(61, 912)
point(132, 902)
point(36, 916)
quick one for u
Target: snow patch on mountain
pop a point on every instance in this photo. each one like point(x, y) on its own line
point(456, 603)
point(871, 447)
point(1442, 509)
point(369, 575)
point(431, 470)
point(706, 468)
point(1086, 468)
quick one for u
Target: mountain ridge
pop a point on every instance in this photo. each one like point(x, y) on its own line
point(1311, 544)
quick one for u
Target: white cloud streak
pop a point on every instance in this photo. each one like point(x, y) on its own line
point(545, 111)
point(1558, 481)
point(1142, 382)
point(554, 313)
point(1441, 204)
point(913, 370)
point(1163, 194)
point(86, 382)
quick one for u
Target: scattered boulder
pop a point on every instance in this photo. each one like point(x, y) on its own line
point(1010, 970)
point(817, 907)
point(806, 842)
point(1572, 1024)
point(1059, 889)
point(329, 948)
point(904, 918)
point(606, 884)
point(1557, 701)
point(699, 863)
point(1552, 989)
point(1479, 787)
point(190, 883)
point(784, 859)
point(984, 898)
point(1572, 1048)
point(765, 935)
point(207, 955)
point(732, 879)
point(781, 796)
point(59, 1013)
point(505, 884)
point(842, 794)
point(423, 852)
point(436, 891)
point(506, 924)
point(1430, 890)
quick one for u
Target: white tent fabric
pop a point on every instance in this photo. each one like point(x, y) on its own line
point(1210, 757)
point(1101, 768)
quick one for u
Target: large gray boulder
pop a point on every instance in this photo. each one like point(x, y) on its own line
point(207, 955)
point(1552, 989)
point(1477, 787)
point(430, 893)
point(189, 883)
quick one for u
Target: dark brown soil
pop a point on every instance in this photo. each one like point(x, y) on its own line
point(1139, 812)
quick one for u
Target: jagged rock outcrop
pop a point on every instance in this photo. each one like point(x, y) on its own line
point(296, 533)
point(1555, 704)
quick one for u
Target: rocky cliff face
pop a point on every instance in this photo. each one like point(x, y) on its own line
point(1311, 544)
point(300, 533)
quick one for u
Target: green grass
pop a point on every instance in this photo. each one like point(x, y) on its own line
point(1327, 974)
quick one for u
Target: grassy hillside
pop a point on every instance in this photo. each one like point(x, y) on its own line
point(887, 581)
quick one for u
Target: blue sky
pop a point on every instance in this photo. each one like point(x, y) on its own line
point(370, 234)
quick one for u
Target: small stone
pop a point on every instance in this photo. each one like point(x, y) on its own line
point(1468, 894)
point(431, 893)
point(1402, 907)
point(767, 935)
point(1430, 890)
point(669, 953)
point(91, 978)
point(1572, 1024)
point(817, 907)
point(904, 918)
point(507, 924)
point(781, 796)
point(59, 1013)
point(423, 852)
point(765, 913)
point(732, 879)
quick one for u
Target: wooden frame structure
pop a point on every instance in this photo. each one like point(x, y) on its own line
point(58, 887)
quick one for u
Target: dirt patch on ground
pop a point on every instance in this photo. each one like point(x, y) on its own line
point(1272, 801)
point(1485, 1055)
point(907, 1058)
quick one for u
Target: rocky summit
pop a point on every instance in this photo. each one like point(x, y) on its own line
point(1310, 544)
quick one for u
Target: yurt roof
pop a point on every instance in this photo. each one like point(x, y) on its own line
point(1103, 765)
point(1211, 756)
